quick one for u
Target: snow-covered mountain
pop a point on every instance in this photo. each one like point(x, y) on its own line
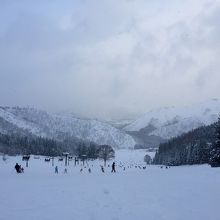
point(148, 131)
point(59, 126)
point(173, 121)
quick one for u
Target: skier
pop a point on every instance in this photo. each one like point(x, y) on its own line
point(56, 169)
point(102, 169)
point(113, 167)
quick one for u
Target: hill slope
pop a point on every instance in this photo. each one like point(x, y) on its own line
point(193, 147)
point(59, 127)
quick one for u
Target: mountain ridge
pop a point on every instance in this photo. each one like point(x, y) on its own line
point(42, 123)
point(155, 127)
point(177, 120)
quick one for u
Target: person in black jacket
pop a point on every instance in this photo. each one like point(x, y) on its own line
point(17, 168)
point(113, 167)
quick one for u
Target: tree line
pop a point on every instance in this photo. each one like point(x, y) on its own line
point(15, 144)
point(195, 147)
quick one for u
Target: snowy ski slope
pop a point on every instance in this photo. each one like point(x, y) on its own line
point(178, 193)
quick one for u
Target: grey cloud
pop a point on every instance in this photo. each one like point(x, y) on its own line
point(103, 58)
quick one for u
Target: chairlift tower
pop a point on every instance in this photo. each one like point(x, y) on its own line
point(26, 158)
point(66, 154)
point(83, 158)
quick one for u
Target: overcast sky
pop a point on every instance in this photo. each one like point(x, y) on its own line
point(109, 58)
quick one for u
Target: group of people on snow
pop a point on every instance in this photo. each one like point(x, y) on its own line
point(89, 170)
point(102, 169)
point(56, 170)
point(19, 168)
point(113, 168)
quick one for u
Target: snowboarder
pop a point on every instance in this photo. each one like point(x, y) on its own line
point(113, 167)
point(56, 169)
point(65, 170)
point(89, 170)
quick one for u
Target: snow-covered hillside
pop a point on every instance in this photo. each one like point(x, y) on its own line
point(59, 126)
point(149, 131)
point(172, 121)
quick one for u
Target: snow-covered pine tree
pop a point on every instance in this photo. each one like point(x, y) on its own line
point(215, 153)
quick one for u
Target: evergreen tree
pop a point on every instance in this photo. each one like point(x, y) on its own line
point(193, 147)
point(215, 153)
point(15, 143)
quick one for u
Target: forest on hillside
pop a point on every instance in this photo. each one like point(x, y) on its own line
point(15, 144)
point(193, 147)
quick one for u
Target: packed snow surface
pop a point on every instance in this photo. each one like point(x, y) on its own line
point(178, 193)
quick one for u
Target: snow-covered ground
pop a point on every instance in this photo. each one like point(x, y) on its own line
point(178, 193)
